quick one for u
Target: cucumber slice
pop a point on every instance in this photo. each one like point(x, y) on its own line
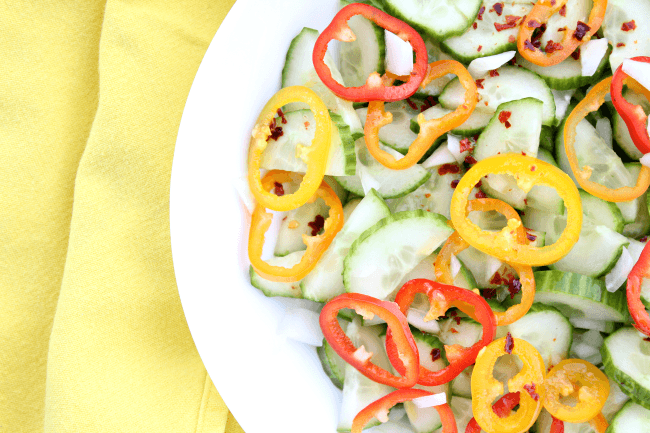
point(380, 258)
point(460, 330)
point(603, 212)
point(298, 133)
point(358, 390)
point(580, 297)
point(364, 55)
point(626, 357)
point(295, 224)
point(299, 71)
point(333, 364)
point(462, 409)
point(461, 385)
point(631, 43)
point(388, 183)
point(620, 131)
point(482, 38)
point(543, 197)
point(511, 84)
point(325, 281)
point(477, 121)
point(435, 87)
point(586, 345)
point(632, 418)
point(274, 288)
point(635, 212)
point(439, 19)
point(548, 330)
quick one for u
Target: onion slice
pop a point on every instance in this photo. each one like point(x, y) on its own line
point(639, 71)
point(430, 400)
point(591, 56)
point(440, 156)
point(479, 67)
point(399, 54)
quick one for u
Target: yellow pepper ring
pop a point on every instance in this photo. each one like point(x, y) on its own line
point(529, 382)
point(316, 158)
point(578, 378)
point(592, 102)
point(503, 245)
point(316, 245)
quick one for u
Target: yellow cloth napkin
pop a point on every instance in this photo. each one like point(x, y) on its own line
point(92, 333)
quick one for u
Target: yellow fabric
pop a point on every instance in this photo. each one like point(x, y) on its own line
point(92, 333)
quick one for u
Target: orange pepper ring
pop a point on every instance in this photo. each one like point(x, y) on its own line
point(431, 129)
point(592, 102)
point(316, 245)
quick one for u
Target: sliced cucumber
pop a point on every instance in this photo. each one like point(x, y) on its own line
point(299, 71)
point(548, 330)
point(461, 386)
point(435, 87)
point(603, 212)
point(397, 134)
point(462, 409)
point(635, 212)
point(439, 19)
point(620, 131)
point(632, 418)
point(627, 44)
point(364, 55)
point(460, 330)
point(295, 224)
point(547, 140)
point(380, 258)
point(586, 345)
point(482, 38)
point(580, 297)
point(626, 357)
point(511, 84)
point(325, 281)
point(372, 174)
point(477, 121)
point(544, 197)
point(275, 288)
point(333, 364)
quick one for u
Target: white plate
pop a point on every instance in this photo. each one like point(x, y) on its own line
point(269, 383)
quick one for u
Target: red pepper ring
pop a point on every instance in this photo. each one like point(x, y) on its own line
point(366, 306)
point(379, 409)
point(373, 90)
point(633, 115)
point(557, 426)
point(640, 271)
point(442, 297)
point(502, 408)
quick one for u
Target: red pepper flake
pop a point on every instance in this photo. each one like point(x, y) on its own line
point(481, 194)
point(435, 354)
point(526, 201)
point(523, 153)
point(514, 287)
point(503, 118)
point(563, 11)
point(529, 46)
point(307, 125)
point(511, 22)
point(562, 29)
point(576, 54)
point(479, 83)
point(454, 183)
point(478, 185)
point(480, 13)
point(647, 339)
point(317, 225)
point(531, 237)
point(510, 344)
point(469, 159)
point(278, 189)
point(466, 145)
point(475, 25)
point(427, 195)
point(581, 30)
point(533, 168)
point(457, 319)
point(448, 168)
point(620, 44)
point(489, 293)
point(644, 239)
point(412, 104)
point(498, 8)
point(551, 47)
point(494, 73)
point(531, 390)
point(480, 47)
point(553, 2)
point(276, 131)
point(630, 25)
point(512, 40)
point(281, 114)
point(534, 24)
point(453, 331)
point(496, 279)
point(429, 102)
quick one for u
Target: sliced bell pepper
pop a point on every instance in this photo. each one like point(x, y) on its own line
point(633, 115)
point(379, 409)
point(529, 382)
point(579, 379)
point(455, 244)
point(502, 408)
point(557, 426)
point(373, 90)
point(441, 298)
point(594, 99)
point(431, 129)
point(639, 272)
point(316, 245)
point(599, 423)
point(555, 52)
point(358, 357)
point(504, 245)
point(315, 155)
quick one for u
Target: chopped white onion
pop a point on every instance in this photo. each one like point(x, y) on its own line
point(584, 350)
point(582, 323)
point(617, 276)
point(301, 325)
point(368, 182)
point(453, 144)
point(640, 71)
point(430, 400)
point(415, 317)
point(562, 101)
point(591, 55)
point(440, 156)
point(454, 265)
point(593, 338)
point(645, 160)
point(635, 248)
point(492, 266)
point(399, 54)
point(483, 65)
point(604, 129)
point(244, 191)
point(361, 354)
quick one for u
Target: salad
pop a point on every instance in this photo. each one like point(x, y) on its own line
point(460, 188)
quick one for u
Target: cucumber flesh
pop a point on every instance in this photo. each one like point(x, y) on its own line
point(295, 224)
point(380, 258)
point(436, 86)
point(275, 288)
point(476, 122)
point(631, 43)
point(632, 418)
point(544, 197)
point(364, 55)
point(397, 134)
point(333, 364)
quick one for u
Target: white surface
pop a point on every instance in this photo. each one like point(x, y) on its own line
point(268, 382)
